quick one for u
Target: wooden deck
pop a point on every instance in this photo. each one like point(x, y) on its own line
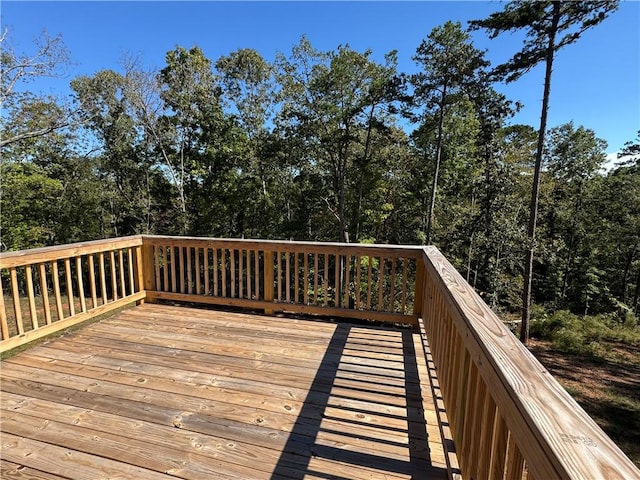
point(161, 391)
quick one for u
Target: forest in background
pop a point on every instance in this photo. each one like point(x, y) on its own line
point(323, 146)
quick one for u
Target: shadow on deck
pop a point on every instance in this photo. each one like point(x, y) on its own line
point(159, 391)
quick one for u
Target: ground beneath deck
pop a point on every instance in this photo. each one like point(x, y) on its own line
point(159, 391)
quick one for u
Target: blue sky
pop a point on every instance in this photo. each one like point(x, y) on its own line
point(596, 81)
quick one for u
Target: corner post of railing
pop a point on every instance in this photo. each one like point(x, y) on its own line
point(146, 277)
point(268, 279)
point(418, 294)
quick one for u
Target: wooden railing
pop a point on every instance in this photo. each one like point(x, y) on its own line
point(348, 280)
point(508, 417)
point(62, 286)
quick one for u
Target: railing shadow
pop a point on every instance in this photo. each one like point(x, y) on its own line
point(372, 421)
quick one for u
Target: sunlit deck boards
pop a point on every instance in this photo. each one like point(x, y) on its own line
point(159, 391)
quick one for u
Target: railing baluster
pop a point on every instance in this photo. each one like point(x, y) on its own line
point(103, 277)
point(215, 273)
point(405, 269)
point(4, 326)
point(114, 278)
point(16, 300)
point(357, 285)
point(315, 278)
point(92, 281)
point(305, 274)
point(392, 295)
point(486, 435)
point(232, 266)
point(55, 276)
point(498, 448)
point(132, 285)
point(223, 268)
point(182, 271)
point(31, 298)
point(71, 300)
point(296, 280)
point(380, 284)
point(369, 280)
point(205, 252)
point(123, 290)
point(249, 282)
point(515, 462)
point(83, 300)
point(189, 271)
point(198, 281)
point(336, 288)
point(279, 275)
point(347, 287)
point(325, 278)
point(256, 269)
point(287, 272)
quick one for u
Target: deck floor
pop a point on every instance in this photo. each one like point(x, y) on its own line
point(163, 391)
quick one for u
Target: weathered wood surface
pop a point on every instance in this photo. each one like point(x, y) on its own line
point(159, 391)
point(486, 369)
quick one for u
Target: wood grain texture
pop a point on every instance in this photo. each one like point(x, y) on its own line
point(554, 435)
point(171, 392)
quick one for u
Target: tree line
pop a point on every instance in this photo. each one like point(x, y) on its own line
point(332, 146)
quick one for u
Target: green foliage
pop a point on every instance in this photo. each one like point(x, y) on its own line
point(586, 335)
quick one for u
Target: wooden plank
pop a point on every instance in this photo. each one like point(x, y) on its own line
point(392, 295)
point(121, 267)
point(44, 456)
point(223, 268)
point(92, 282)
point(337, 292)
point(216, 292)
point(198, 272)
point(31, 297)
point(279, 275)
point(514, 469)
point(369, 281)
point(132, 285)
point(10, 470)
point(249, 277)
point(347, 287)
point(13, 275)
point(103, 277)
point(165, 267)
point(4, 327)
point(357, 285)
point(256, 270)
point(56, 288)
point(405, 262)
point(287, 272)
point(380, 306)
point(325, 278)
point(81, 293)
point(305, 273)
point(50, 254)
point(411, 251)
point(181, 271)
point(114, 276)
point(232, 267)
point(296, 280)
point(207, 285)
point(498, 448)
point(418, 295)
point(315, 278)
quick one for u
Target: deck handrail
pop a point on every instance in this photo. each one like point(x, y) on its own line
point(508, 417)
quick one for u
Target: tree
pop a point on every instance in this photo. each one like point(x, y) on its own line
point(449, 64)
point(549, 26)
point(335, 103)
point(50, 57)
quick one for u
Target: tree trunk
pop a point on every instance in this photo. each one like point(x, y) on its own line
point(434, 184)
point(531, 231)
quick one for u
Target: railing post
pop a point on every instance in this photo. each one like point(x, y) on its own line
point(145, 277)
point(418, 293)
point(268, 279)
